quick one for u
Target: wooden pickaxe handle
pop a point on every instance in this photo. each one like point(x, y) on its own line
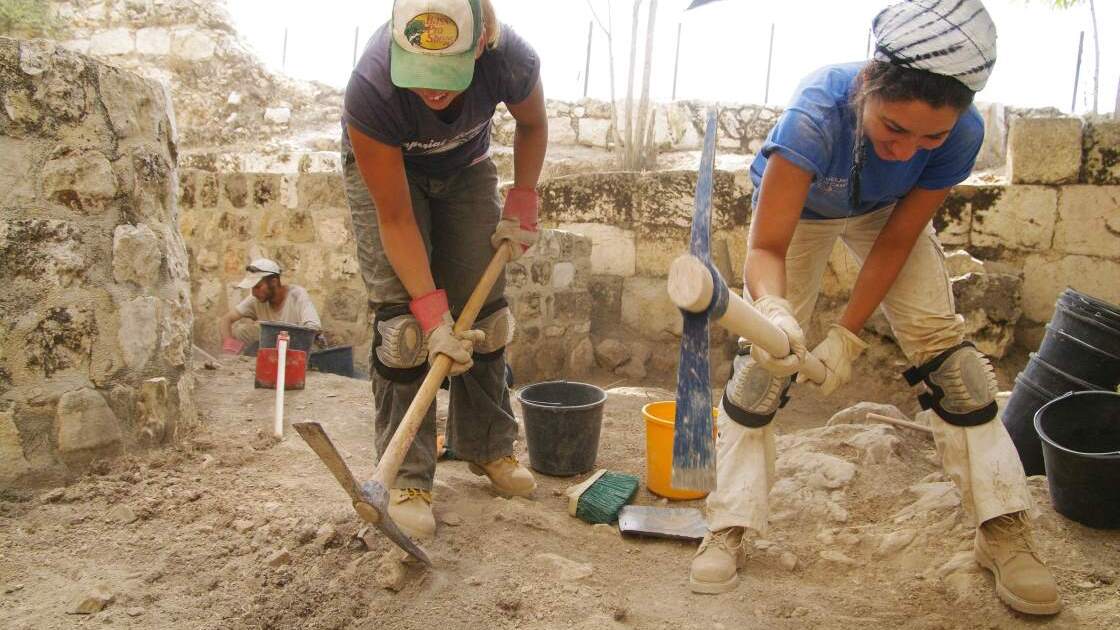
point(394, 453)
point(692, 288)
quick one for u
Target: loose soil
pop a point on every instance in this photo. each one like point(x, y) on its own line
point(231, 530)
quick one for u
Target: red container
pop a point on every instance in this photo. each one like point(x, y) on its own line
point(295, 368)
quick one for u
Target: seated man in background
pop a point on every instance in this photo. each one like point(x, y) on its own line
point(270, 301)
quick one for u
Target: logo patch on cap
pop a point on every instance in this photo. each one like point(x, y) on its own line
point(431, 31)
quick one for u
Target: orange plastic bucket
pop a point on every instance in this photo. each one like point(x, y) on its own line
point(659, 417)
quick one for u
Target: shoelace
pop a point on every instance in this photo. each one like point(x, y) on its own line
point(721, 539)
point(415, 493)
point(1014, 534)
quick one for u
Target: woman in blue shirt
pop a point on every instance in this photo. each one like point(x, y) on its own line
point(866, 153)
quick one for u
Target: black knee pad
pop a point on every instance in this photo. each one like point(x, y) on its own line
point(759, 401)
point(496, 320)
point(962, 386)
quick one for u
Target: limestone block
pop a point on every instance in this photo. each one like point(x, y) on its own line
point(647, 310)
point(345, 304)
point(612, 249)
point(612, 353)
point(84, 182)
point(953, 220)
point(1022, 217)
point(562, 131)
point(278, 115)
point(989, 303)
point(151, 414)
point(657, 249)
point(563, 275)
point(187, 409)
point(595, 132)
point(135, 107)
point(606, 299)
point(1089, 221)
point(13, 463)
point(1045, 276)
point(138, 331)
point(44, 252)
point(117, 41)
point(289, 191)
point(153, 41)
point(1044, 150)
point(136, 255)
point(993, 152)
point(580, 362)
point(606, 198)
point(175, 334)
point(84, 423)
point(266, 189)
point(80, 46)
point(321, 190)
point(192, 45)
point(342, 266)
point(1102, 153)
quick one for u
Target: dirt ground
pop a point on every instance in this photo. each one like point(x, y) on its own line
point(231, 531)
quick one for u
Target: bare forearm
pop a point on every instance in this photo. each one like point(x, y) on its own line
point(529, 146)
point(404, 247)
point(874, 281)
point(765, 273)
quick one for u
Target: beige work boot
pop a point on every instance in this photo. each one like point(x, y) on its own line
point(507, 476)
point(1005, 547)
point(411, 510)
point(715, 567)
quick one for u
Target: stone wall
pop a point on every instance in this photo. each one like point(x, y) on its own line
point(299, 217)
point(1055, 224)
point(95, 311)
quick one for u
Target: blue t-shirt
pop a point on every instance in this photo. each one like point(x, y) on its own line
point(817, 133)
point(395, 116)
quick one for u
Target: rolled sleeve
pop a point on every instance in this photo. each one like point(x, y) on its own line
point(952, 162)
point(799, 139)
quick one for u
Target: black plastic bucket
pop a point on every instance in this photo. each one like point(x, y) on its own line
point(1079, 359)
point(1095, 331)
point(1096, 308)
point(1052, 380)
point(1018, 418)
point(562, 424)
point(337, 360)
point(299, 337)
point(1081, 444)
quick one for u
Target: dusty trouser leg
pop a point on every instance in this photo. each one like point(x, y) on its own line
point(745, 451)
point(396, 358)
point(465, 210)
point(976, 451)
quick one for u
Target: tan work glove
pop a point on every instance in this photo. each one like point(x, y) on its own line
point(443, 340)
point(780, 313)
point(840, 348)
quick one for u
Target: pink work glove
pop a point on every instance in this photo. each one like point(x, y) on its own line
point(232, 346)
point(519, 221)
point(432, 312)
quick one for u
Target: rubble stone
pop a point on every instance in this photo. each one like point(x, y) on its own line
point(136, 255)
point(611, 353)
point(117, 41)
point(85, 423)
point(1089, 221)
point(153, 41)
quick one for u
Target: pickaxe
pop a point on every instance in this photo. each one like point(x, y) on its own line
point(702, 295)
point(371, 499)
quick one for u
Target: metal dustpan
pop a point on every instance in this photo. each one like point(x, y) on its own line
point(659, 522)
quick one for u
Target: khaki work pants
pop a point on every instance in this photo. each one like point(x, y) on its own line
point(981, 460)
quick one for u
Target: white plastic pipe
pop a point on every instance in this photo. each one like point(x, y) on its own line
point(281, 356)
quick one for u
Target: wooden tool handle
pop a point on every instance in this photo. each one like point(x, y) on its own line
point(899, 423)
point(691, 287)
point(394, 453)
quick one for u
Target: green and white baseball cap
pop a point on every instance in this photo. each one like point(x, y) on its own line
point(434, 43)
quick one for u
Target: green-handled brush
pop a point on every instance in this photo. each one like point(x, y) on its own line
point(601, 496)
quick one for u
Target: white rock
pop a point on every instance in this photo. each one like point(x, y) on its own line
point(278, 558)
point(122, 514)
point(85, 422)
point(566, 570)
point(895, 542)
point(838, 557)
point(91, 602)
point(136, 255)
point(153, 41)
point(192, 45)
point(788, 561)
point(278, 115)
point(138, 331)
point(234, 98)
point(613, 250)
point(117, 41)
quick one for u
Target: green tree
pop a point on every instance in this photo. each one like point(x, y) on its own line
point(27, 18)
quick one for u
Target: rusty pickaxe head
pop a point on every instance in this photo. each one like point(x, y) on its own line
point(370, 500)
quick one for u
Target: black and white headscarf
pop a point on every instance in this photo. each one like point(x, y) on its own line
point(954, 38)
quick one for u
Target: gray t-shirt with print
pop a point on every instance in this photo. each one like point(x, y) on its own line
point(395, 116)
